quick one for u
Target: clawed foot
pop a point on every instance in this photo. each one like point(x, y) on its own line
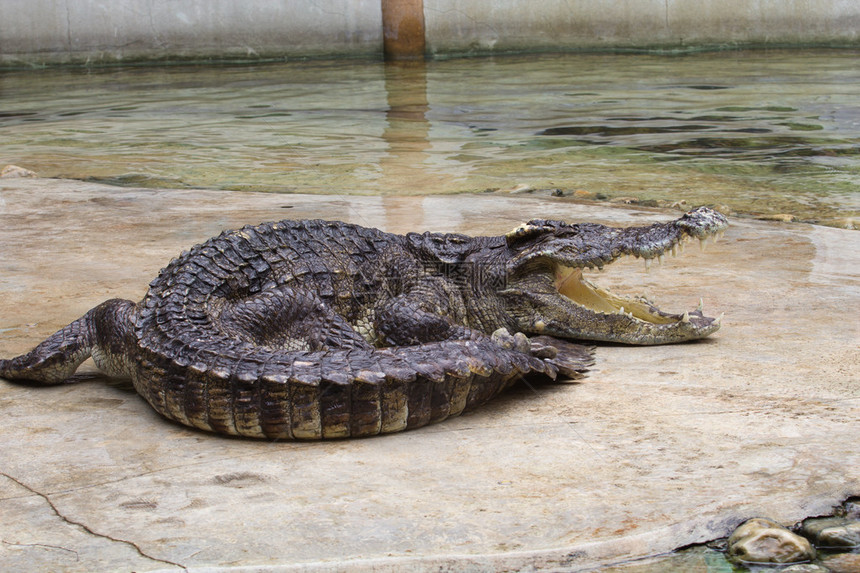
point(542, 349)
point(572, 360)
point(569, 359)
point(521, 343)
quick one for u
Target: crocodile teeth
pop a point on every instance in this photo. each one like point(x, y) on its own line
point(701, 306)
point(674, 250)
point(647, 265)
point(703, 242)
point(686, 317)
point(719, 319)
point(661, 258)
point(623, 312)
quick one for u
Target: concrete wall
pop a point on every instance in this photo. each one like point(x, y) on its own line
point(509, 25)
point(34, 32)
point(96, 31)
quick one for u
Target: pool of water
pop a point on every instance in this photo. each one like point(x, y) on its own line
point(760, 133)
point(704, 559)
point(699, 559)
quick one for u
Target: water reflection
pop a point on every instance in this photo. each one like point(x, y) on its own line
point(407, 130)
point(730, 137)
point(757, 132)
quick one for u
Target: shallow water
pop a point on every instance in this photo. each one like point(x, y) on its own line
point(699, 559)
point(761, 133)
point(703, 559)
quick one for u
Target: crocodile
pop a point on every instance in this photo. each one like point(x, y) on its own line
point(322, 329)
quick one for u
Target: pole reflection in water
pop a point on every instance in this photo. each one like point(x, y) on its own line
point(407, 130)
point(407, 168)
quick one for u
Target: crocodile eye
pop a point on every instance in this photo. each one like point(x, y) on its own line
point(527, 231)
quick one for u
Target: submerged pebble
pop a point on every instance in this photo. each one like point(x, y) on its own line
point(782, 217)
point(13, 171)
point(851, 508)
point(761, 540)
point(625, 200)
point(832, 531)
point(521, 188)
point(843, 563)
point(805, 568)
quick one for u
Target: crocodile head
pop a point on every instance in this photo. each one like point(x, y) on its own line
point(546, 293)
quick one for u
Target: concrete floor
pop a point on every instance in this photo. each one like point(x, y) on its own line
point(658, 448)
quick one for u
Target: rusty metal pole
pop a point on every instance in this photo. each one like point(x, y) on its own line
point(403, 29)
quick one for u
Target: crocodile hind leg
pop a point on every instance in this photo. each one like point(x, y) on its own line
point(289, 318)
point(103, 332)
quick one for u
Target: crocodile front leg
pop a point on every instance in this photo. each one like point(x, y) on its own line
point(431, 311)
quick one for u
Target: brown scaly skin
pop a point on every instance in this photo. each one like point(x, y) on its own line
point(316, 329)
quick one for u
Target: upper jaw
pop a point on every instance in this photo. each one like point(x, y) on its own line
point(653, 242)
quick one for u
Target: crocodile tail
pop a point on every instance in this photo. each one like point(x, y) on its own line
point(57, 358)
point(335, 393)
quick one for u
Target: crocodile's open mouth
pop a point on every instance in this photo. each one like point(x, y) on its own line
point(549, 295)
point(571, 284)
point(631, 319)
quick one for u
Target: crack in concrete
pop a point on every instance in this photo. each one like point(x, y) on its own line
point(87, 528)
point(160, 470)
point(43, 546)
